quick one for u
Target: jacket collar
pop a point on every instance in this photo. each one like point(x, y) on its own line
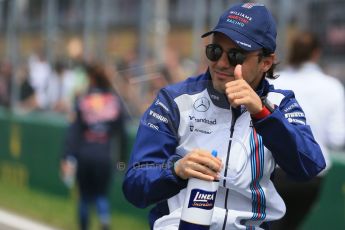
point(263, 88)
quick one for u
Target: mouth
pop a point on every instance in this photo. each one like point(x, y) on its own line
point(223, 75)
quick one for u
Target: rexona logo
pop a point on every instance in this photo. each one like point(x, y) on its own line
point(201, 199)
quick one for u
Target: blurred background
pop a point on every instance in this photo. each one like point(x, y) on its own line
point(144, 45)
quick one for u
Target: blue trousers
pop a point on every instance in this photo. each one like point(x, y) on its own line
point(102, 206)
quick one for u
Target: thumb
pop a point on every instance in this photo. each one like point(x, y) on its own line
point(238, 72)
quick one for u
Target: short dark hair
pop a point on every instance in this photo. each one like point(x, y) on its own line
point(96, 71)
point(302, 48)
point(270, 73)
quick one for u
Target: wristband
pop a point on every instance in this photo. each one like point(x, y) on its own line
point(262, 114)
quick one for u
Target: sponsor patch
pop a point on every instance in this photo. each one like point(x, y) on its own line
point(240, 14)
point(153, 126)
point(293, 120)
point(159, 103)
point(294, 114)
point(243, 43)
point(291, 107)
point(201, 199)
point(192, 129)
point(235, 23)
point(159, 117)
point(203, 120)
point(251, 5)
point(202, 131)
point(201, 104)
point(214, 97)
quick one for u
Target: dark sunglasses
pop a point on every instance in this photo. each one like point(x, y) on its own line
point(235, 56)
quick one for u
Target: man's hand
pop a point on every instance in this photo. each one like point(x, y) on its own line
point(239, 92)
point(199, 164)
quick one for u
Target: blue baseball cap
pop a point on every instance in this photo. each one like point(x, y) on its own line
point(250, 25)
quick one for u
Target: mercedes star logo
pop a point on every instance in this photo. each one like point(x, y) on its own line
point(201, 104)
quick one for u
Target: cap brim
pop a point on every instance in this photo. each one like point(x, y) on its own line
point(241, 40)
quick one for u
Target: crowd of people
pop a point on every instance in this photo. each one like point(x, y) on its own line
point(39, 85)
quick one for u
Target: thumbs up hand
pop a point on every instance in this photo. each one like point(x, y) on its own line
point(238, 72)
point(239, 92)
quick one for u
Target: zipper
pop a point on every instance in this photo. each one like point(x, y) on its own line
point(232, 128)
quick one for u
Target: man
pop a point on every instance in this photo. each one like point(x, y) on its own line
point(322, 101)
point(230, 108)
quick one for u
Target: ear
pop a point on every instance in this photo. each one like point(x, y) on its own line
point(268, 62)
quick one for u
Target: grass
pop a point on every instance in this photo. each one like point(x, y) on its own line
point(58, 211)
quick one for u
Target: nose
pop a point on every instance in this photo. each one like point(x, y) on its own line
point(223, 61)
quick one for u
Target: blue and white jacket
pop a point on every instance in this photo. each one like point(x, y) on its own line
point(192, 114)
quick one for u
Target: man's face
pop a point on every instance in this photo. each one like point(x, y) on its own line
point(222, 72)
